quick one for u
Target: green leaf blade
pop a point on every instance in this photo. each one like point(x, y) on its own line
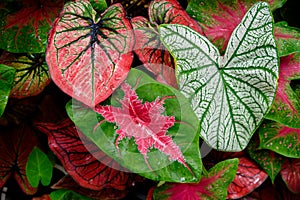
point(229, 94)
point(6, 80)
point(38, 168)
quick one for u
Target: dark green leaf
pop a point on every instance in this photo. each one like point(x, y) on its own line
point(67, 195)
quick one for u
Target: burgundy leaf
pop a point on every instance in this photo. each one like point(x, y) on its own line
point(89, 55)
point(286, 106)
point(248, 177)
point(103, 194)
point(31, 76)
point(16, 143)
point(73, 149)
point(290, 174)
point(145, 123)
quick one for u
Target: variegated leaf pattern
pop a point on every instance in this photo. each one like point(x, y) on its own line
point(230, 94)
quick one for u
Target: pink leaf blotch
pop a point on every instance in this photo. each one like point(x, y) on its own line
point(145, 123)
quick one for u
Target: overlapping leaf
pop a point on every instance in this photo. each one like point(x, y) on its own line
point(286, 106)
point(281, 139)
point(218, 18)
point(26, 30)
point(32, 74)
point(183, 132)
point(73, 149)
point(248, 177)
point(290, 174)
point(7, 75)
point(212, 186)
point(229, 94)
point(16, 143)
point(88, 54)
point(148, 46)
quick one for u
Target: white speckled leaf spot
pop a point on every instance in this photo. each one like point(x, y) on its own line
point(231, 93)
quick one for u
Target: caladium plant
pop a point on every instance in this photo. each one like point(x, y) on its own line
point(230, 94)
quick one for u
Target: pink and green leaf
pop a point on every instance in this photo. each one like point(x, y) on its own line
point(26, 30)
point(7, 75)
point(31, 76)
point(93, 171)
point(290, 174)
point(89, 55)
point(218, 18)
point(286, 106)
point(212, 186)
point(165, 119)
point(280, 139)
point(248, 177)
point(288, 39)
point(269, 161)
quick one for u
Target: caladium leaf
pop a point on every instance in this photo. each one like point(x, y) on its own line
point(218, 18)
point(109, 193)
point(281, 139)
point(26, 30)
point(288, 38)
point(16, 143)
point(32, 74)
point(212, 186)
point(174, 155)
point(67, 195)
point(38, 168)
point(148, 46)
point(89, 55)
point(248, 177)
point(7, 75)
point(286, 106)
point(290, 174)
point(268, 160)
point(70, 146)
point(229, 94)
point(99, 5)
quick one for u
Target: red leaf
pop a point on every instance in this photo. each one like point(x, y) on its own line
point(144, 122)
point(15, 146)
point(73, 149)
point(290, 174)
point(104, 194)
point(248, 177)
point(88, 58)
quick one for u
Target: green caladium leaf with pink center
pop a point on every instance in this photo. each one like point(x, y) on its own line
point(211, 186)
point(146, 127)
point(286, 107)
point(280, 139)
point(7, 75)
point(230, 94)
point(269, 161)
point(218, 18)
point(288, 39)
point(148, 46)
point(25, 29)
point(32, 74)
point(88, 54)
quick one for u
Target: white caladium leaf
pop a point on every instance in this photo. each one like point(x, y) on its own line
point(232, 93)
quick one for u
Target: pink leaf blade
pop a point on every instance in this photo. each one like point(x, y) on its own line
point(290, 174)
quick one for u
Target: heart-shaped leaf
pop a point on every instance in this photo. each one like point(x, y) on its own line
point(38, 168)
point(25, 30)
point(89, 55)
point(212, 186)
point(288, 38)
point(73, 150)
point(230, 94)
point(7, 75)
point(269, 161)
point(248, 177)
point(281, 139)
point(161, 132)
point(290, 174)
point(16, 143)
point(286, 106)
point(218, 18)
point(32, 74)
